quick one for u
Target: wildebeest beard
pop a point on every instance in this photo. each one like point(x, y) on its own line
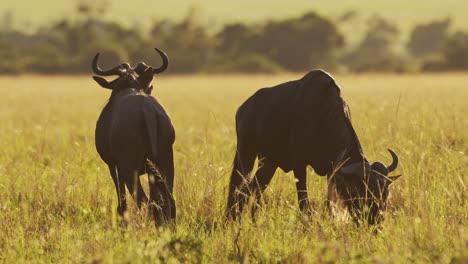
point(362, 189)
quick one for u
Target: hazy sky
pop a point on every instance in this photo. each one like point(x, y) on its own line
point(217, 12)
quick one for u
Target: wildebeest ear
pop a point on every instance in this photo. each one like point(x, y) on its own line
point(148, 90)
point(145, 79)
point(147, 74)
point(393, 178)
point(351, 168)
point(102, 82)
point(355, 168)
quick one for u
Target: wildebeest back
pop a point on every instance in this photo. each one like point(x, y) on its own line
point(309, 127)
point(126, 118)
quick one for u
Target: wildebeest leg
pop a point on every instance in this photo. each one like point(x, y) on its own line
point(262, 178)
point(135, 188)
point(161, 185)
point(156, 197)
point(243, 164)
point(301, 185)
point(161, 203)
point(120, 189)
point(167, 187)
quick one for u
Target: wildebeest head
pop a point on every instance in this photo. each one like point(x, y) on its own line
point(140, 77)
point(364, 187)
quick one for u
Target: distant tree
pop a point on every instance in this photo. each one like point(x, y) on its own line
point(188, 43)
point(297, 44)
point(80, 40)
point(376, 50)
point(301, 44)
point(454, 55)
point(428, 39)
point(244, 63)
point(456, 51)
point(11, 61)
point(233, 39)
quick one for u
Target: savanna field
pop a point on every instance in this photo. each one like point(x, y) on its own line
point(58, 202)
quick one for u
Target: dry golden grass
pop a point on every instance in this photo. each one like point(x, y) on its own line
point(57, 200)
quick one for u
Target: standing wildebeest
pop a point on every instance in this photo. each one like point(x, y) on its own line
point(134, 135)
point(299, 123)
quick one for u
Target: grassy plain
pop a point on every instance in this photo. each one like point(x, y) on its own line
point(57, 200)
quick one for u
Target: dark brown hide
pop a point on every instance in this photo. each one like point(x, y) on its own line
point(296, 124)
point(134, 135)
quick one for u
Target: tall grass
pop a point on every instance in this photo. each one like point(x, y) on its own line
point(57, 200)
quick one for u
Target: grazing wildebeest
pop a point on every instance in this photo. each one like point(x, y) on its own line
point(300, 123)
point(134, 135)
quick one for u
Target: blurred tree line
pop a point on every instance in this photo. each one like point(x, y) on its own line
point(295, 44)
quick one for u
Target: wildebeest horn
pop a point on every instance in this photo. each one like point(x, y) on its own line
point(164, 64)
point(98, 71)
point(394, 164)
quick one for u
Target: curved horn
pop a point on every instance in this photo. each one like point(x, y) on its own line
point(165, 63)
point(98, 71)
point(394, 164)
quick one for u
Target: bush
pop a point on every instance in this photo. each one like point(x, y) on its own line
point(455, 55)
point(456, 51)
point(253, 63)
point(428, 39)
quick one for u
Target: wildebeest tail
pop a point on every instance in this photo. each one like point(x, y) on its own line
point(151, 124)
